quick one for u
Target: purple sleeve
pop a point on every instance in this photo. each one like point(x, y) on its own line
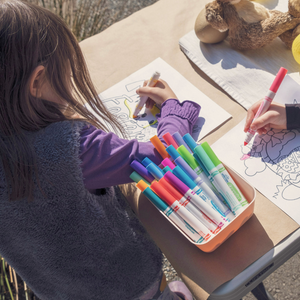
point(106, 158)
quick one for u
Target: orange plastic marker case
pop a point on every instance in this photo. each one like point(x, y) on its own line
point(226, 231)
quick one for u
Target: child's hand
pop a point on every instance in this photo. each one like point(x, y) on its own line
point(157, 94)
point(275, 117)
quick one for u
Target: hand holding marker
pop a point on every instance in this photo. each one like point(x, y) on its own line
point(267, 101)
point(143, 99)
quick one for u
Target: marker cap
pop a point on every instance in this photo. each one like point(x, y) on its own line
point(152, 196)
point(180, 141)
point(146, 161)
point(142, 185)
point(136, 177)
point(188, 157)
point(169, 187)
point(172, 151)
point(200, 164)
point(190, 141)
point(167, 162)
point(169, 140)
point(162, 193)
point(208, 164)
point(211, 154)
point(176, 182)
point(278, 80)
point(155, 171)
point(185, 167)
point(178, 172)
point(166, 169)
point(159, 146)
point(140, 169)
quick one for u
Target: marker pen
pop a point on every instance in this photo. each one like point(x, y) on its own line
point(172, 152)
point(235, 206)
point(190, 141)
point(180, 210)
point(166, 169)
point(140, 169)
point(169, 140)
point(152, 82)
point(155, 171)
point(136, 177)
point(167, 162)
point(180, 141)
point(189, 158)
point(159, 146)
point(229, 180)
point(210, 212)
point(213, 187)
point(162, 206)
point(267, 101)
point(189, 206)
point(208, 192)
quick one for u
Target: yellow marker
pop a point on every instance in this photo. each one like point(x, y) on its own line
point(143, 99)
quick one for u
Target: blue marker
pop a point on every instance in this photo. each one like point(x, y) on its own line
point(172, 152)
point(155, 171)
point(166, 169)
point(190, 141)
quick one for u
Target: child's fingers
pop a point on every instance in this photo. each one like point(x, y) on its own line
point(251, 114)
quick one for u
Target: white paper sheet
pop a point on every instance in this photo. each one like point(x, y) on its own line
point(121, 100)
point(270, 162)
point(244, 75)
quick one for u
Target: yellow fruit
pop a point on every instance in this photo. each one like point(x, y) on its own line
point(296, 49)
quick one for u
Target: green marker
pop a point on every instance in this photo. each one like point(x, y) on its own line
point(234, 201)
point(193, 163)
point(230, 182)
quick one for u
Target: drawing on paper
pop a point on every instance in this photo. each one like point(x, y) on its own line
point(141, 128)
point(277, 151)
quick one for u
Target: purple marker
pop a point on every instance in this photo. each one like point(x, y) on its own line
point(140, 169)
point(195, 199)
point(180, 141)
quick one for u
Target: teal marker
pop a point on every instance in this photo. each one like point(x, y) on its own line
point(169, 212)
point(236, 205)
point(136, 177)
point(230, 182)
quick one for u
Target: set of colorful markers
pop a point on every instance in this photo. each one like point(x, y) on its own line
point(191, 186)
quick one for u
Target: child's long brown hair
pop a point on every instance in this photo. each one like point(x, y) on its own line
point(31, 36)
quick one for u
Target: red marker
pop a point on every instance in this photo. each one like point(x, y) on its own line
point(267, 101)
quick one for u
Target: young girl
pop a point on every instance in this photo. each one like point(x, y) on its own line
point(65, 227)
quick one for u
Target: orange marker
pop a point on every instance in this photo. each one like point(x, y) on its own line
point(159, 146)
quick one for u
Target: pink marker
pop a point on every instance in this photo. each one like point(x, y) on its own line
point(267, 101)
point(170, 140)
point(167, 163)
point(195, 199)
point(180, 210)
